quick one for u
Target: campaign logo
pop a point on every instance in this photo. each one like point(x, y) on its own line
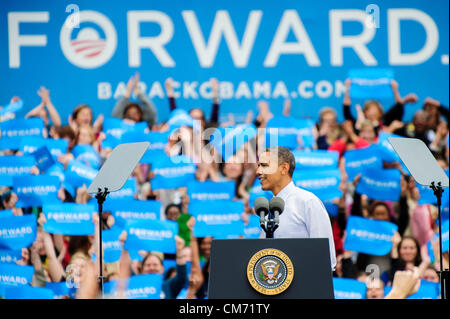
point(86, 47)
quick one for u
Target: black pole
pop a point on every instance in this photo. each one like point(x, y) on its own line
point(443, 274)
point(101, 196)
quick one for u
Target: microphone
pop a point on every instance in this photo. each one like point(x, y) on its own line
point(262, 208)
point(276, 207)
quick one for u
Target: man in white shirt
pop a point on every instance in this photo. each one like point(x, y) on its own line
point(304, 214)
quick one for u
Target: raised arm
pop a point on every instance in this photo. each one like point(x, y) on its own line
point(55, 268)
point(170, 93)
point(119, 108)
point(148, 108)
point(54, 115)
point(215, 106)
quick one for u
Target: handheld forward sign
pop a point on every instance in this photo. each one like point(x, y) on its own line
point(270, 271)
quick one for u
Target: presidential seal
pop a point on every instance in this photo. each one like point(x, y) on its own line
point(270, 271)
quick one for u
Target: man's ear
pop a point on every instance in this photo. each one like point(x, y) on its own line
point(285, 168)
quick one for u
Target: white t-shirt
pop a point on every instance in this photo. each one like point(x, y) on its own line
point(304, 216)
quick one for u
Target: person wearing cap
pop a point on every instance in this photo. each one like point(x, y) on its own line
point(304, 214)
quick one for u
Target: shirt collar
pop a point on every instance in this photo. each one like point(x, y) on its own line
point(286, 190)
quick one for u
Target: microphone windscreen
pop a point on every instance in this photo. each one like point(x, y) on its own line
point(276, 204)
point(261, 204)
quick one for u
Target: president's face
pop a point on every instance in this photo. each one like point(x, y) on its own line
point(269, 171)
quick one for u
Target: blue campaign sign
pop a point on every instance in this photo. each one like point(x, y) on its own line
point(220, 219)
point(388, 153)
point(128, 191)
point(118, 127)
point(137, 287)
point(61, 290)
point(282, 131)
point(10, 256)
point(8, 112)
point(356, 160)
point(17, 232)
point(369, 236)
point(57, 147)
point(87, 155)
point(28, 292)
point(258, 50)
point(209, 190)
point(6, 213)
point(158, 141)
point(324, 184)
point(172, 172)
point(316, 159)
point(180, 117)
point(78, 174)
point(112, 247)
point(22, 127)
point(29, 144)
point(256, 191)
point(6, 180)
point(44, 159)
point(380, 184)
point(371, 83)
point(228, 140)
point(35, 190)
point(426, 195)
point(12, 165)
point(130, 210)
point(345, 288)
point(427, 290)
point(15, 275)
point(69, 219)
point(253, 228)
point(151, 235)
point(332, 208)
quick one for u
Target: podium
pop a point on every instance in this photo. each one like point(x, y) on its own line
point(282, 268)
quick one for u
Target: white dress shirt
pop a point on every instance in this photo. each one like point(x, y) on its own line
point(304, 216)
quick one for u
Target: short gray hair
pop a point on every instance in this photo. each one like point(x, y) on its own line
point(284, 156)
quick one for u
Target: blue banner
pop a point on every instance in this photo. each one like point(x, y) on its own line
point(28, 292)
point(227, 141)
point(61, 290)
point(158, 142)
point(380, 184)
point(178, 118)
point(315, 159)
point(259, 50)
point(345, 288)
point(44, 159)
point(87, 155)
point(137, 287)
point(387, 152)
point(427, 290)
point(253, 228)
point(151, 235)
point(208, 190)
point(8, 112)
point(172, 172)
point(15, 275)
point(36, 190)
point(323, 184)
point(128, 190)
point(16, 165)
point(69, 219)
point(256, 191)
point(373, 83)
point(369, 236)
point(289, 132)
point(10, 256)
point(57, 147)
point(131, 210)
point(331, 207)
point(22, 127)
point(356, 160)
point(220, 219)
point(78, 174)
point(117, 127)
point(29, 144)
point(17, 231)
point(112, 247)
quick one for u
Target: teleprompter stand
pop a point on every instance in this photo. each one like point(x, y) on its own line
point(112, 176)
point(426, 171)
